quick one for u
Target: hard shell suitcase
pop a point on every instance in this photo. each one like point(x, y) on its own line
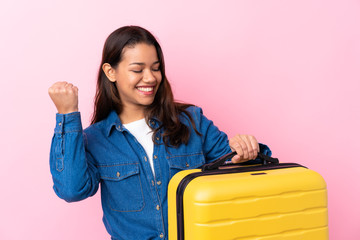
point(269, 201)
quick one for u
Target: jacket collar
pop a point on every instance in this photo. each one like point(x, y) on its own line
point(113, 121)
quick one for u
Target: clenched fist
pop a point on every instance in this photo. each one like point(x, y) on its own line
point(65, 97)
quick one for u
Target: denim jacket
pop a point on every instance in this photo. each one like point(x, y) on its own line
point(134, 201)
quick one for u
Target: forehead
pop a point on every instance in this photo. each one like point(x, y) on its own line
point(140, 52)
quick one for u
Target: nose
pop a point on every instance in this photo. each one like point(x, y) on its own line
point(149, 77)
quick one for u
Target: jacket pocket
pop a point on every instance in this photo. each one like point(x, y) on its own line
point(121, 187)
point(178, 163)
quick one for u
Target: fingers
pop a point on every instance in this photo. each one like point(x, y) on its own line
point(246, 147)
point(65, 97)
point(62, 87)
point(252, 146)
point(238, 145)
point(255, 146)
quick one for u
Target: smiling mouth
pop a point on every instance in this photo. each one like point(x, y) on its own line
point(145, 89)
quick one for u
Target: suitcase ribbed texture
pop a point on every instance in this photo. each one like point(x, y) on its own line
point(277, 204)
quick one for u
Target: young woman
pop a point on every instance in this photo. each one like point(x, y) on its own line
point(138, 139)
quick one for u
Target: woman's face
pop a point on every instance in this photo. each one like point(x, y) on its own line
point(138, 76)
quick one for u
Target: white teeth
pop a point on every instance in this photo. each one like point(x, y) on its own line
point(146, 89)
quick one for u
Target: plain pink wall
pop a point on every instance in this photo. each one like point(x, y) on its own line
point(287, 72)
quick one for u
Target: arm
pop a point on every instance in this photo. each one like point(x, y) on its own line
point(216, 143)
point(73, 170)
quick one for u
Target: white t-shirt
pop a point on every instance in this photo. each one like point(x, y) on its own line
point(143, 134)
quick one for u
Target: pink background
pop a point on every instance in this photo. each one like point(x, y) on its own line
point(287, 72)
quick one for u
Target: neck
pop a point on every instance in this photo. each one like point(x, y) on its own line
point(131, 115)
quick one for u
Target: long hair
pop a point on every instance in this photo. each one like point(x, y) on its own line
point(163, 108)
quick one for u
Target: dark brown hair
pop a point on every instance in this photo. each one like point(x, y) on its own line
point(163, 108)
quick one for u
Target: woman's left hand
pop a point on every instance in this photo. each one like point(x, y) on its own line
point(246, 147)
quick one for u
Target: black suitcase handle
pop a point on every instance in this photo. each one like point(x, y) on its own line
point(220, 161)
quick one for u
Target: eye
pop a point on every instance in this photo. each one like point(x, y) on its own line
point(156, 67)
point(137, 71)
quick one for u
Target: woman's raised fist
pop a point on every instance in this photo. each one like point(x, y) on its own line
point(65, 97)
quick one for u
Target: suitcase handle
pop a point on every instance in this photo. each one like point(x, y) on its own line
point(220, 161)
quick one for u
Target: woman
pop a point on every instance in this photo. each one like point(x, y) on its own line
point(138, 139)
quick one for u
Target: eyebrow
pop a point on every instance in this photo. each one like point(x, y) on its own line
point(142, 64)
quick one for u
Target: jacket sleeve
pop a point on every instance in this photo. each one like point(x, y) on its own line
point(72, 168)
point(215, 142)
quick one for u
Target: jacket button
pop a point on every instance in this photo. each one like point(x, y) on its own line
point(187, 165)
point(118, 174)
point(158, 183)
point(162, 235)
point(155, 157)
point(145, 158)
point(157, 138)
point(157, 207)
point(60, 124)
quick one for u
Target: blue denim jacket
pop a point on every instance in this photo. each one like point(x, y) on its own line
point(133, 200)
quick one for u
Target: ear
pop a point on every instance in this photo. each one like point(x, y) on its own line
point(109, 72)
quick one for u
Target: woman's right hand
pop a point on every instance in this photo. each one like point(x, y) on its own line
point(65, 97)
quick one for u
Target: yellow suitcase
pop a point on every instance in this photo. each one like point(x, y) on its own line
point(270, 201)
